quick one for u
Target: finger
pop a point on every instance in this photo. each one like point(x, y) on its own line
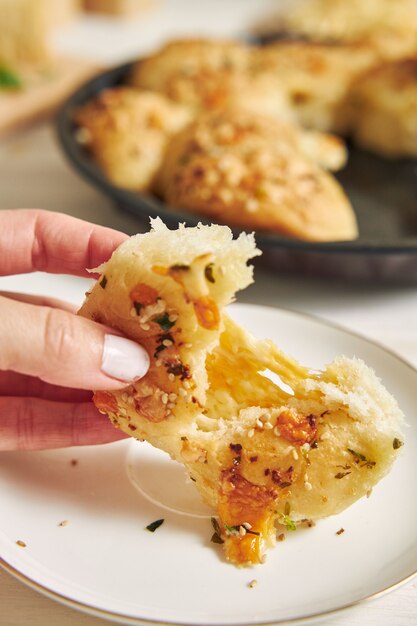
point(40, 424)
point(33, 240)
point(67, 350)
point(14, 384)
point(40, 300)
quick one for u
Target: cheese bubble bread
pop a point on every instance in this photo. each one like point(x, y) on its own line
point(207, 74)
point(390, 26)
point(383, 107)
point(259, 454)
point(315, 79)
point(253, 172)
point(126, 131)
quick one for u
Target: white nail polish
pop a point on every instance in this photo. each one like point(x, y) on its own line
point(124, 359)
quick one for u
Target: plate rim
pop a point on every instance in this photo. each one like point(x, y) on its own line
point(310, 618)
point(154, 207)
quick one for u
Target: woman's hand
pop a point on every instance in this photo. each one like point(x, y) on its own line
point(49, 357)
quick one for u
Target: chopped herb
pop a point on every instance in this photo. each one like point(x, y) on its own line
point(236, 447)
point(340, 475)
point(154, 525)
point(288, 523)
point(138, 307)
point(359, 456)
point(185, 159)
point(164, 322)
point(103, 282)
point(208, 273)
point(9, 79)
point(159, 349)
point(397, 443)
point(20, 543)
point(340, 531)
point(179, 369)
point(216, 536)
point(184, 438)
point(287, 508)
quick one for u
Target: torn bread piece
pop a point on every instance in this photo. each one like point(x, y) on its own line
point(260, 453)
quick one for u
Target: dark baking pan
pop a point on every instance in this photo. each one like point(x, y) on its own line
point(383, 194)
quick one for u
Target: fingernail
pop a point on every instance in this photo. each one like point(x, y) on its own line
point(124, 359)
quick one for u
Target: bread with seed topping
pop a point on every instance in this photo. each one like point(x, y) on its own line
point(262, 454)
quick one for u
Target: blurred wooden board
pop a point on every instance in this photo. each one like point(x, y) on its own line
point(43, 92)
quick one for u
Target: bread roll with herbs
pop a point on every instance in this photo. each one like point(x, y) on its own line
point(260, 455)
point(255, 173)
point(383, 109)
point(126, 131)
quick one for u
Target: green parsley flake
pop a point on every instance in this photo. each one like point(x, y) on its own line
point(9, 79)
point(164, 322)
point(154, 525)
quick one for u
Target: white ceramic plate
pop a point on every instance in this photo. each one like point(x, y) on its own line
point(104, 561)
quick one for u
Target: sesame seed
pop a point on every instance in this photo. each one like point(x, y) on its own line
point(182, 392)
point(173, 396)
point(171, 377)
point(222, 270)
point(252, 205)
point(173, 317)
point(187, 384)
point(158, 362)
point(188, 345)
point(130, 400)
point(122, 411)
point(252, 583)
point(268, 426)
point(164, 398)
point(308, 486)
point(145, 327)
point(277, 431)
point(167, 343)
point(171, 405)
point(124, 396)
point(242, 531)
point(251, 433)
point(295, 454)
point(259, 423)
point(247, 525)
point(133, 312)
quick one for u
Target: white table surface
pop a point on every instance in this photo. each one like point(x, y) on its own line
point(33, 173)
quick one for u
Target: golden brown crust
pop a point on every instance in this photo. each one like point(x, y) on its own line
point(383, 107)
point(316, 78)
point(127, 130)
point(250, 172)
point(389, 26)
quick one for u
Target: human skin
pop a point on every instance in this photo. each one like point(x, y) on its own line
point(50, 358)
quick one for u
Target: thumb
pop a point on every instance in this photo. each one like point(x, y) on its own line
point(64, 349)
